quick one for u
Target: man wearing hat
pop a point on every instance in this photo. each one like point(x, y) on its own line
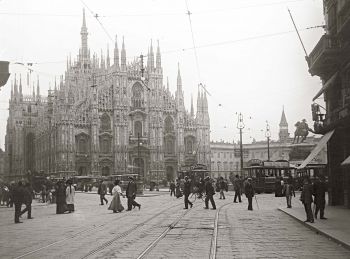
point(249, 192)
point(131, 194)
point(187, 192)
point(209, 192)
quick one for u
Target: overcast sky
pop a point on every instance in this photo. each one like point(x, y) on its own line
point(249, 56)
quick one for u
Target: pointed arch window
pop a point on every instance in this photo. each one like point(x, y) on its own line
point(137, 99)
point(138, 128)
point(105, 122)
point(168, 125)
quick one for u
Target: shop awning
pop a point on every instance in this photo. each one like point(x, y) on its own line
point(346, 162)
point(328, 84)
point(320, 145)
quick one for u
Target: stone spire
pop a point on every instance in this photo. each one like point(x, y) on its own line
point(34, 92)
point(167, 84)
point(116, 54)
point(16, 88)
point(123, 57)
point(150, 60)
point(179, 80)
point(283, 121)
point(20, 87)
point(158, 59)
point(37, 89)
point(102, 61)
point(84, 45)
point(283, 132)
point(108, 59)
point(11, 89)
point(192, 109)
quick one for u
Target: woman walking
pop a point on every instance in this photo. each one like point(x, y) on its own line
point(60, 198)
point(116, 204)
point(70, 193)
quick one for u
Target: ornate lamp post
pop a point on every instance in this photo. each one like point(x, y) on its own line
point(268, 135)
point(240, 126)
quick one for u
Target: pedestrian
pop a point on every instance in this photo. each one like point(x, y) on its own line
point(209, 192)
point(172, 188)
point(70, 193)
point(18, 199)
point(5, 196)
point(102, 191)
point(306, 199)
point(28, 198)
point(288, 191)
point(116, 204)
point(10, 199)
point(187, 192)
point(178, 192)
point(60, 198)
point(249, 193)
point(222, 187)
point(319, 191)
point(131, 190)
point(43, 193)
point(237, 188)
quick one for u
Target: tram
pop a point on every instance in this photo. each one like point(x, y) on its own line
point(311, 171)
point(267, 175)
point(124, 180)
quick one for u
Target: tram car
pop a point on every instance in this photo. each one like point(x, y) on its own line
point(194, 173)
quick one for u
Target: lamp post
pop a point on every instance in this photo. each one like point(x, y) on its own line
point(240, 126)
point(268, 135)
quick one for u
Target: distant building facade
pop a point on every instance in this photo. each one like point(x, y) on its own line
point(2, 165)
point(107, 119)
point(225, 157)
point(330, 60)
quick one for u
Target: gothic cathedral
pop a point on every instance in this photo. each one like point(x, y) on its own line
point(107, 119)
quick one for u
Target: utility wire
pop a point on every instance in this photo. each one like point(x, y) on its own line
point(96, 16)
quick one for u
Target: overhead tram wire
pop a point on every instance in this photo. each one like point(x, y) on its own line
point(96, 16)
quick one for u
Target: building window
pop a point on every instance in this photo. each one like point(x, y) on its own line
point(138, 128)
point(218, 154)
point(168, 125)
point(105, 122)
point(169, 146)
point(82, 145)
point(105, 145)
point(137, 96)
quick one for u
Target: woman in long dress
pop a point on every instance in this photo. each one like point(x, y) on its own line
point(116, 204)
point(70, 193)
point(60, 198)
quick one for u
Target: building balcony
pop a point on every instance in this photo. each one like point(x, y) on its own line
point(324, 57)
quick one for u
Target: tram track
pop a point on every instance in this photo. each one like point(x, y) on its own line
point(78, 234)
point(126, 233)
point(214, 240)
point(212, 253)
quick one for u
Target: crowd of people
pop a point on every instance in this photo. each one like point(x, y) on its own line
point(64, 194)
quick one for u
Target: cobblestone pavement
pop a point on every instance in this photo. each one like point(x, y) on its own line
point(93, 232)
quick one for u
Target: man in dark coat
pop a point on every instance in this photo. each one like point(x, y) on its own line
point(102, 191)
point(18, 199)
point(237, 188)
point(222, 187)
point(187, 192)
point(319, 191)
point(131, 194)
point(209, 192)
point(306, 199)
point(172, 188)
point(249, 193)
point(28, 198)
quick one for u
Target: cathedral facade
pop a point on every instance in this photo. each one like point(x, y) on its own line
point(107, 119)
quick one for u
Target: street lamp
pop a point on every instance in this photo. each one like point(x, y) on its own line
point(240, 126)
point(268, 135)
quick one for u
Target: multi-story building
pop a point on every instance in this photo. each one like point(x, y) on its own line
point(330, 60)
point(225, 157)
point(105, 119)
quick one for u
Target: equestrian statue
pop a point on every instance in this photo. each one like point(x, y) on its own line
point(302, 130)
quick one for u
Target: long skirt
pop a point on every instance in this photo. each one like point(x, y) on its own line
point(61, 207)
point(116, 204)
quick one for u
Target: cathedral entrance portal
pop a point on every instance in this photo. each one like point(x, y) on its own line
point(29, 152)
point(170, 173)
point(106, 171)
point(82, 170)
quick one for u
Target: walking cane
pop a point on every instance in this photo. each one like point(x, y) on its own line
point(256, 200)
